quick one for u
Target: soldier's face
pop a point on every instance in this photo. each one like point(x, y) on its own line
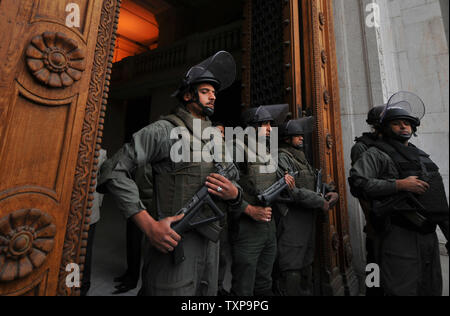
point(207, 94)
point(401, 128)
point(265, 130)
point(297, 141)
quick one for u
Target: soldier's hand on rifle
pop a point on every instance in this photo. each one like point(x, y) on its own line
point(290, 181)
point(160, 234)
point(332, 198)
point(412, 184)
point(326, 206)
point(221, 187)
point(259, 213)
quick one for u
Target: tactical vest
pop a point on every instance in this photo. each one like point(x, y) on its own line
point(434, 199)
point(174, 189)
point(306, 176)
point(254, 182)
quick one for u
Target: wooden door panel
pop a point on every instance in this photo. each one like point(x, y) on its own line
point(65, 11)
point(44, 140)
point(53, 94)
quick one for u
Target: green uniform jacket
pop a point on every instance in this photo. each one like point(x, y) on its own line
point(296, 230)
point(409, 261)
point(374, 174)
point(361, 145)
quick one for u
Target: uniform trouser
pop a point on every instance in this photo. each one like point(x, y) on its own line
point(371, 257)
point(197, 275)
point(224, 256)
point(410, 263)
point(254, 249)
point(134, 241)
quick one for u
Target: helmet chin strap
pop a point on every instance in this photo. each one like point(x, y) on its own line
point(207, 111)
point(399, 137)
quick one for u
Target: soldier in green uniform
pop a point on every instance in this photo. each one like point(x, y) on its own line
point(366, 140)
point(253, 231)
point(296, 227)
point(408, 201)
point(174, 184)
point(362, 143)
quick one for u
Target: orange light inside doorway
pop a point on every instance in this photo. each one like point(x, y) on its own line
point(137, 31)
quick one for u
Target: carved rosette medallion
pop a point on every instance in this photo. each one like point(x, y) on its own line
point(55, 60)
point(326, 97)
point(329, 141)
point(335, 241)
point(348, 253)
point(321, 18)
point(323, 56)
point(26, 238)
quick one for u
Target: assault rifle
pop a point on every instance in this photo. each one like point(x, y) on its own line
point(321, 188)
point(404, 204)
point(273, 193)
point(193, 217)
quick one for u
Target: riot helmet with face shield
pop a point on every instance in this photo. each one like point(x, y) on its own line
point(218, 70)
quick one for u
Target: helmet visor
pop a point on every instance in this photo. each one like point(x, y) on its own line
point(405, 102)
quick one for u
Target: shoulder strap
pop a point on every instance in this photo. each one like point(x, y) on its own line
point(178, 122)
point(175, 120)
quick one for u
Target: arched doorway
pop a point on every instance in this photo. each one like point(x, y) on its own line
point(299, 68)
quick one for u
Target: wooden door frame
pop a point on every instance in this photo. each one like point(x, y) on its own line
point(320, 59)
point(75, 241)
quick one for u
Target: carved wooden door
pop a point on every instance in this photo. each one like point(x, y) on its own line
point(321, 87)
point(55, 63)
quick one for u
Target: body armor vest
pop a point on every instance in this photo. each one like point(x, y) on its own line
point(174, 189)
point(254, 182)
point(306, 176)
point(434, 199)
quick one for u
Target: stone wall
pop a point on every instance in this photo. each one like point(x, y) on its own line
point(405, 47)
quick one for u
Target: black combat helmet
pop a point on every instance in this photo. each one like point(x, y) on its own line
point(373, 117)
point(218, 70)
point(406, 106)
point(398, 112)
point(403, 106)
point(297, 127)
point(276, 114)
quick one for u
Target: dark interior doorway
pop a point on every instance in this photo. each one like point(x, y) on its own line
point(137, 115)
point(147, 70)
